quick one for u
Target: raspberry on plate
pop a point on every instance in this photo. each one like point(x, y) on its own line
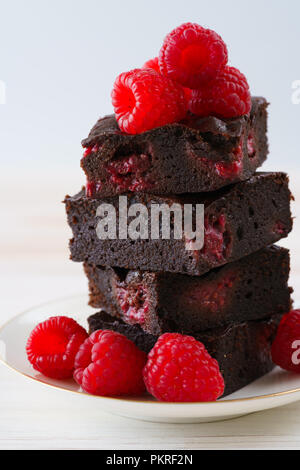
point(109, 364)
point(144, 99)
point(286, 346)
point(192, 55)
point(227, 96)
point(179, 369)
point(53, 344)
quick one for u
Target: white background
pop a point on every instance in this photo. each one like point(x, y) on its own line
point(59, 59)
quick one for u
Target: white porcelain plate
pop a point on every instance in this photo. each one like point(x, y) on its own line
point(275, 389)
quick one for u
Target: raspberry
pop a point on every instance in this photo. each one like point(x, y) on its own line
point(128, 173)
point(215, 239)
point(53, 344)
point(134, 303)
point(286, 346)
point(152, 64)
point(226, 96)
point(180, 369)
point(143, 99)
point(188, 94)
point(192, 55)
point(109, 364)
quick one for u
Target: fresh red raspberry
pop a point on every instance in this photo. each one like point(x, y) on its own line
point(180, 369)
point(109, 364)
point(188, 94)
point(53, 344)
point(286, 346)
point(143, 99)
point(192, 55)
point(152, 64)
point(226, 96)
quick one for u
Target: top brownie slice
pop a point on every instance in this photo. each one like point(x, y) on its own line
point(194, 155)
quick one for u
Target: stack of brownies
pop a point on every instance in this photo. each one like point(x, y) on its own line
point(230, 294)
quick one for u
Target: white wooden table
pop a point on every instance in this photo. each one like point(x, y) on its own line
point(35, 268)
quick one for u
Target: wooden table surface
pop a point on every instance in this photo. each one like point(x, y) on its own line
point(34, 269)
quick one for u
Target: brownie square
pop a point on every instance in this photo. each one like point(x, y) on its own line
point(243, 350)
point(239, 220)
point(249, 289)
point(195, 155)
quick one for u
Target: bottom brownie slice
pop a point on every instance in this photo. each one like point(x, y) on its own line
point(243, 350)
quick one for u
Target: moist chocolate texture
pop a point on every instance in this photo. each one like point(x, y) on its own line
point(243, 350)
point(249, 289)
point(194, 155)
point(239, 220)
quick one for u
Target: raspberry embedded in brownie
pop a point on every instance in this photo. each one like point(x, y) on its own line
point(130, 173)
point(229, 170)
point(216, 238)
point(212, 296)
point(194, 155)
point(251, 147)
point(280, 227)
point(134, 303)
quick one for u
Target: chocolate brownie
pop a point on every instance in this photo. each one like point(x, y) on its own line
point(195, 155)
point(243, 350)
point(249, 289)
point(239, 220)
